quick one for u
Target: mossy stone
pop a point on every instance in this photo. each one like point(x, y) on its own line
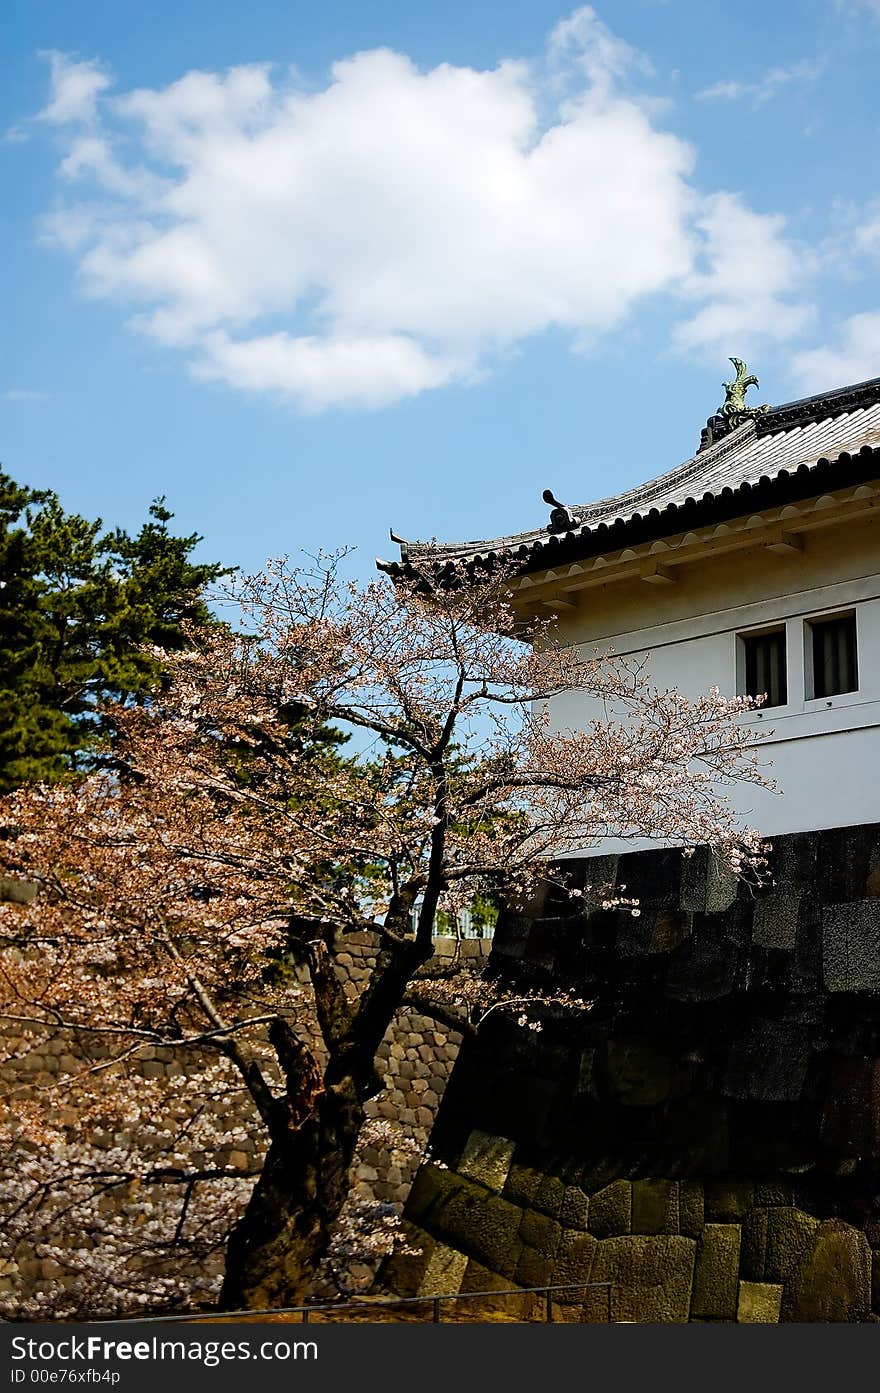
point(728, 1199)
point(521, 1184)
point(753, 1253)
point(790, 1233)
point(833, 1282)
point(479, 1223)
point(549, 1195)
point(758, 1303)
point(574, 1258)
point(534, 1269)
point(506, 1301)
point(691, 1214)
point(771, 1192)
point(444, 1271)
point(654, 1206)
point(611, 1210)
point(652, 1276)
point(575, 1210)
point(540, 1231)
point(717, 1272)
point(431, 1185)
point(670, 928)
point(487, 1159)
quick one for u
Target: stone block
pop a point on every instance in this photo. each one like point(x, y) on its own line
point(775, 923)
point(432, 1184)
point(790, 1233)
point(481, 1224)
point(875, 1280)
point(717, 1273)
point(443, 1272)
point(575, 1210)
point(670, 928)
point(495, 1296)
point(652, 1276)
point(768, 1192)
point(574, 1258)
point(753, 1252)
point(769, 1061)
point(759, 1303)
point(522, 1184)
point(534, 1269)
point(655, 1206)
point(540, 1231)
point(691, 1212)
point(548, 1195)
point(728, 1199)
point(703, 968)
point(611, 1210)
point(851, 1107)
point(833, 1282)
point(639, 1072)
point(851, 946)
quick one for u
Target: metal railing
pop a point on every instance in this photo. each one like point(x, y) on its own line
point(433, 1303)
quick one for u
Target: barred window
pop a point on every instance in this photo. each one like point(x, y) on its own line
point(764, 666)
point(834, 658)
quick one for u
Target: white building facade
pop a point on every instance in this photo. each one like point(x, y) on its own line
point(753, 566)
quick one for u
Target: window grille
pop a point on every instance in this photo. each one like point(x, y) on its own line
point(835, 663)
point(765, 666)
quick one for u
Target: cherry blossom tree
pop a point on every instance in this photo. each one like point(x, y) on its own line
point(192, 898)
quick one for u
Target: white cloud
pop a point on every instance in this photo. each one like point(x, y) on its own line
point(74, 89)
point(866, 234)
point(321, 372)
point(747, 278)
point(872, 6)
point(24, 394)
point(397, 229)
point(767, 86)
point(854, 358)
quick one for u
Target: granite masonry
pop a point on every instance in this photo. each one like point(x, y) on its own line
point(706, 1139)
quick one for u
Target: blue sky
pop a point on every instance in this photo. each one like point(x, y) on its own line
point(314, 271)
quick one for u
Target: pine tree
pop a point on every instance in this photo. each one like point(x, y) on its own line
point(77, 604)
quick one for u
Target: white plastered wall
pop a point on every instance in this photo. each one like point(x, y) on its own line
point(823, 754)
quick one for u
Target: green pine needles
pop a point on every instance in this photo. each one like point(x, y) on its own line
point(77, 605)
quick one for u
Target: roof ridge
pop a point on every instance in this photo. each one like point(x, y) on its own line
point(838, 401)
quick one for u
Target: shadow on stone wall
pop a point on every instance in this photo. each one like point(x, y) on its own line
point(707, 1137)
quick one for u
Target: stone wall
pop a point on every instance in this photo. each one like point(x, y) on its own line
point(707, 1136)
point(415, 1059)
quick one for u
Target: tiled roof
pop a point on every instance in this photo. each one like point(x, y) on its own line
point(790, 450)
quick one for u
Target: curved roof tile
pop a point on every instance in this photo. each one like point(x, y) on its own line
point(789, 443)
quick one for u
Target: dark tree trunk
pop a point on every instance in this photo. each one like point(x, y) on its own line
point(275, 1248)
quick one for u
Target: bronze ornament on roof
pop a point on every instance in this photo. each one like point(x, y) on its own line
point(733, 411)
point(734, 407)
point(774, 456)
